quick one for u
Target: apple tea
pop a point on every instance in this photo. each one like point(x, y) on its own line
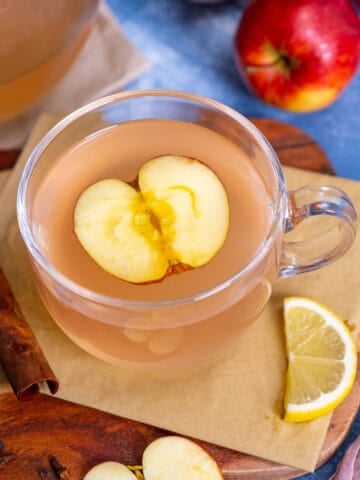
point(215, 217)
point(41, 40)
point(177, 218)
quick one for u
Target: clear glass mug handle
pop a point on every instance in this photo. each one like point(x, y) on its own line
point(329, 235)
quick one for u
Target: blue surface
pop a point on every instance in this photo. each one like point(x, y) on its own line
point(190, 48)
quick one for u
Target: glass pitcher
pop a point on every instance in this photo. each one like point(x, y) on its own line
point(40, 40)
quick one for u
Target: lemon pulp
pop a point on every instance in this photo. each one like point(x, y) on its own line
point(322, 359)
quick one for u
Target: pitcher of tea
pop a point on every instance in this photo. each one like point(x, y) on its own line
point(40, 40)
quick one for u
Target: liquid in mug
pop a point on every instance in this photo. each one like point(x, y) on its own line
point(119, 152)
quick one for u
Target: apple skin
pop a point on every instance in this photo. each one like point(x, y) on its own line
point(298, 55)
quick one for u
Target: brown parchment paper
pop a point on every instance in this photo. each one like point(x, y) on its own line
point(3, 177)
point(234, 401)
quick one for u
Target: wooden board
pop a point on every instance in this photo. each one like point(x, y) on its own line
point(51, 439)
point(294, 147)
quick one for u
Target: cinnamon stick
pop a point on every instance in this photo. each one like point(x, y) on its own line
point(21, 357)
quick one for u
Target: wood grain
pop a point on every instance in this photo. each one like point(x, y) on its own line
point(293, 146)
point(44, 432)
point(48, 438)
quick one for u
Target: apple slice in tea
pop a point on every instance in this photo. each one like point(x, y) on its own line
point(179, 217)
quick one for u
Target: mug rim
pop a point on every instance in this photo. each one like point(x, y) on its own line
point(66, 282)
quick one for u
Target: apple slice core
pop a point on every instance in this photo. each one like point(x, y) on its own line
point(198, 219)
point(114, 228)
point(179, 216)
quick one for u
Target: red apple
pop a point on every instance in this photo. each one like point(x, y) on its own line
point(298, 54)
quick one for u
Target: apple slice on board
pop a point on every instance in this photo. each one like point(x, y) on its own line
point(179, 217)
point(110, 471)
point(178, 458)
point(166, 458)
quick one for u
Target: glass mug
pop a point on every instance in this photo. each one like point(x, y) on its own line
point(40, 40)
point(192, 317)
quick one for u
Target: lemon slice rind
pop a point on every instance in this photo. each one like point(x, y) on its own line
point(326, 402)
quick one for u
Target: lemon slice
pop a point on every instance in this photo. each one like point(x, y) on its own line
point(322, 359)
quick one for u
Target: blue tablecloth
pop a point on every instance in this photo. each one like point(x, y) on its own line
point(190, 48)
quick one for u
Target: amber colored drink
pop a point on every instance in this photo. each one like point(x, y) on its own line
point(119, 152)
point(40, 41)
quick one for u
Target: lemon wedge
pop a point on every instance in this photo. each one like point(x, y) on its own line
point(322, 359)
